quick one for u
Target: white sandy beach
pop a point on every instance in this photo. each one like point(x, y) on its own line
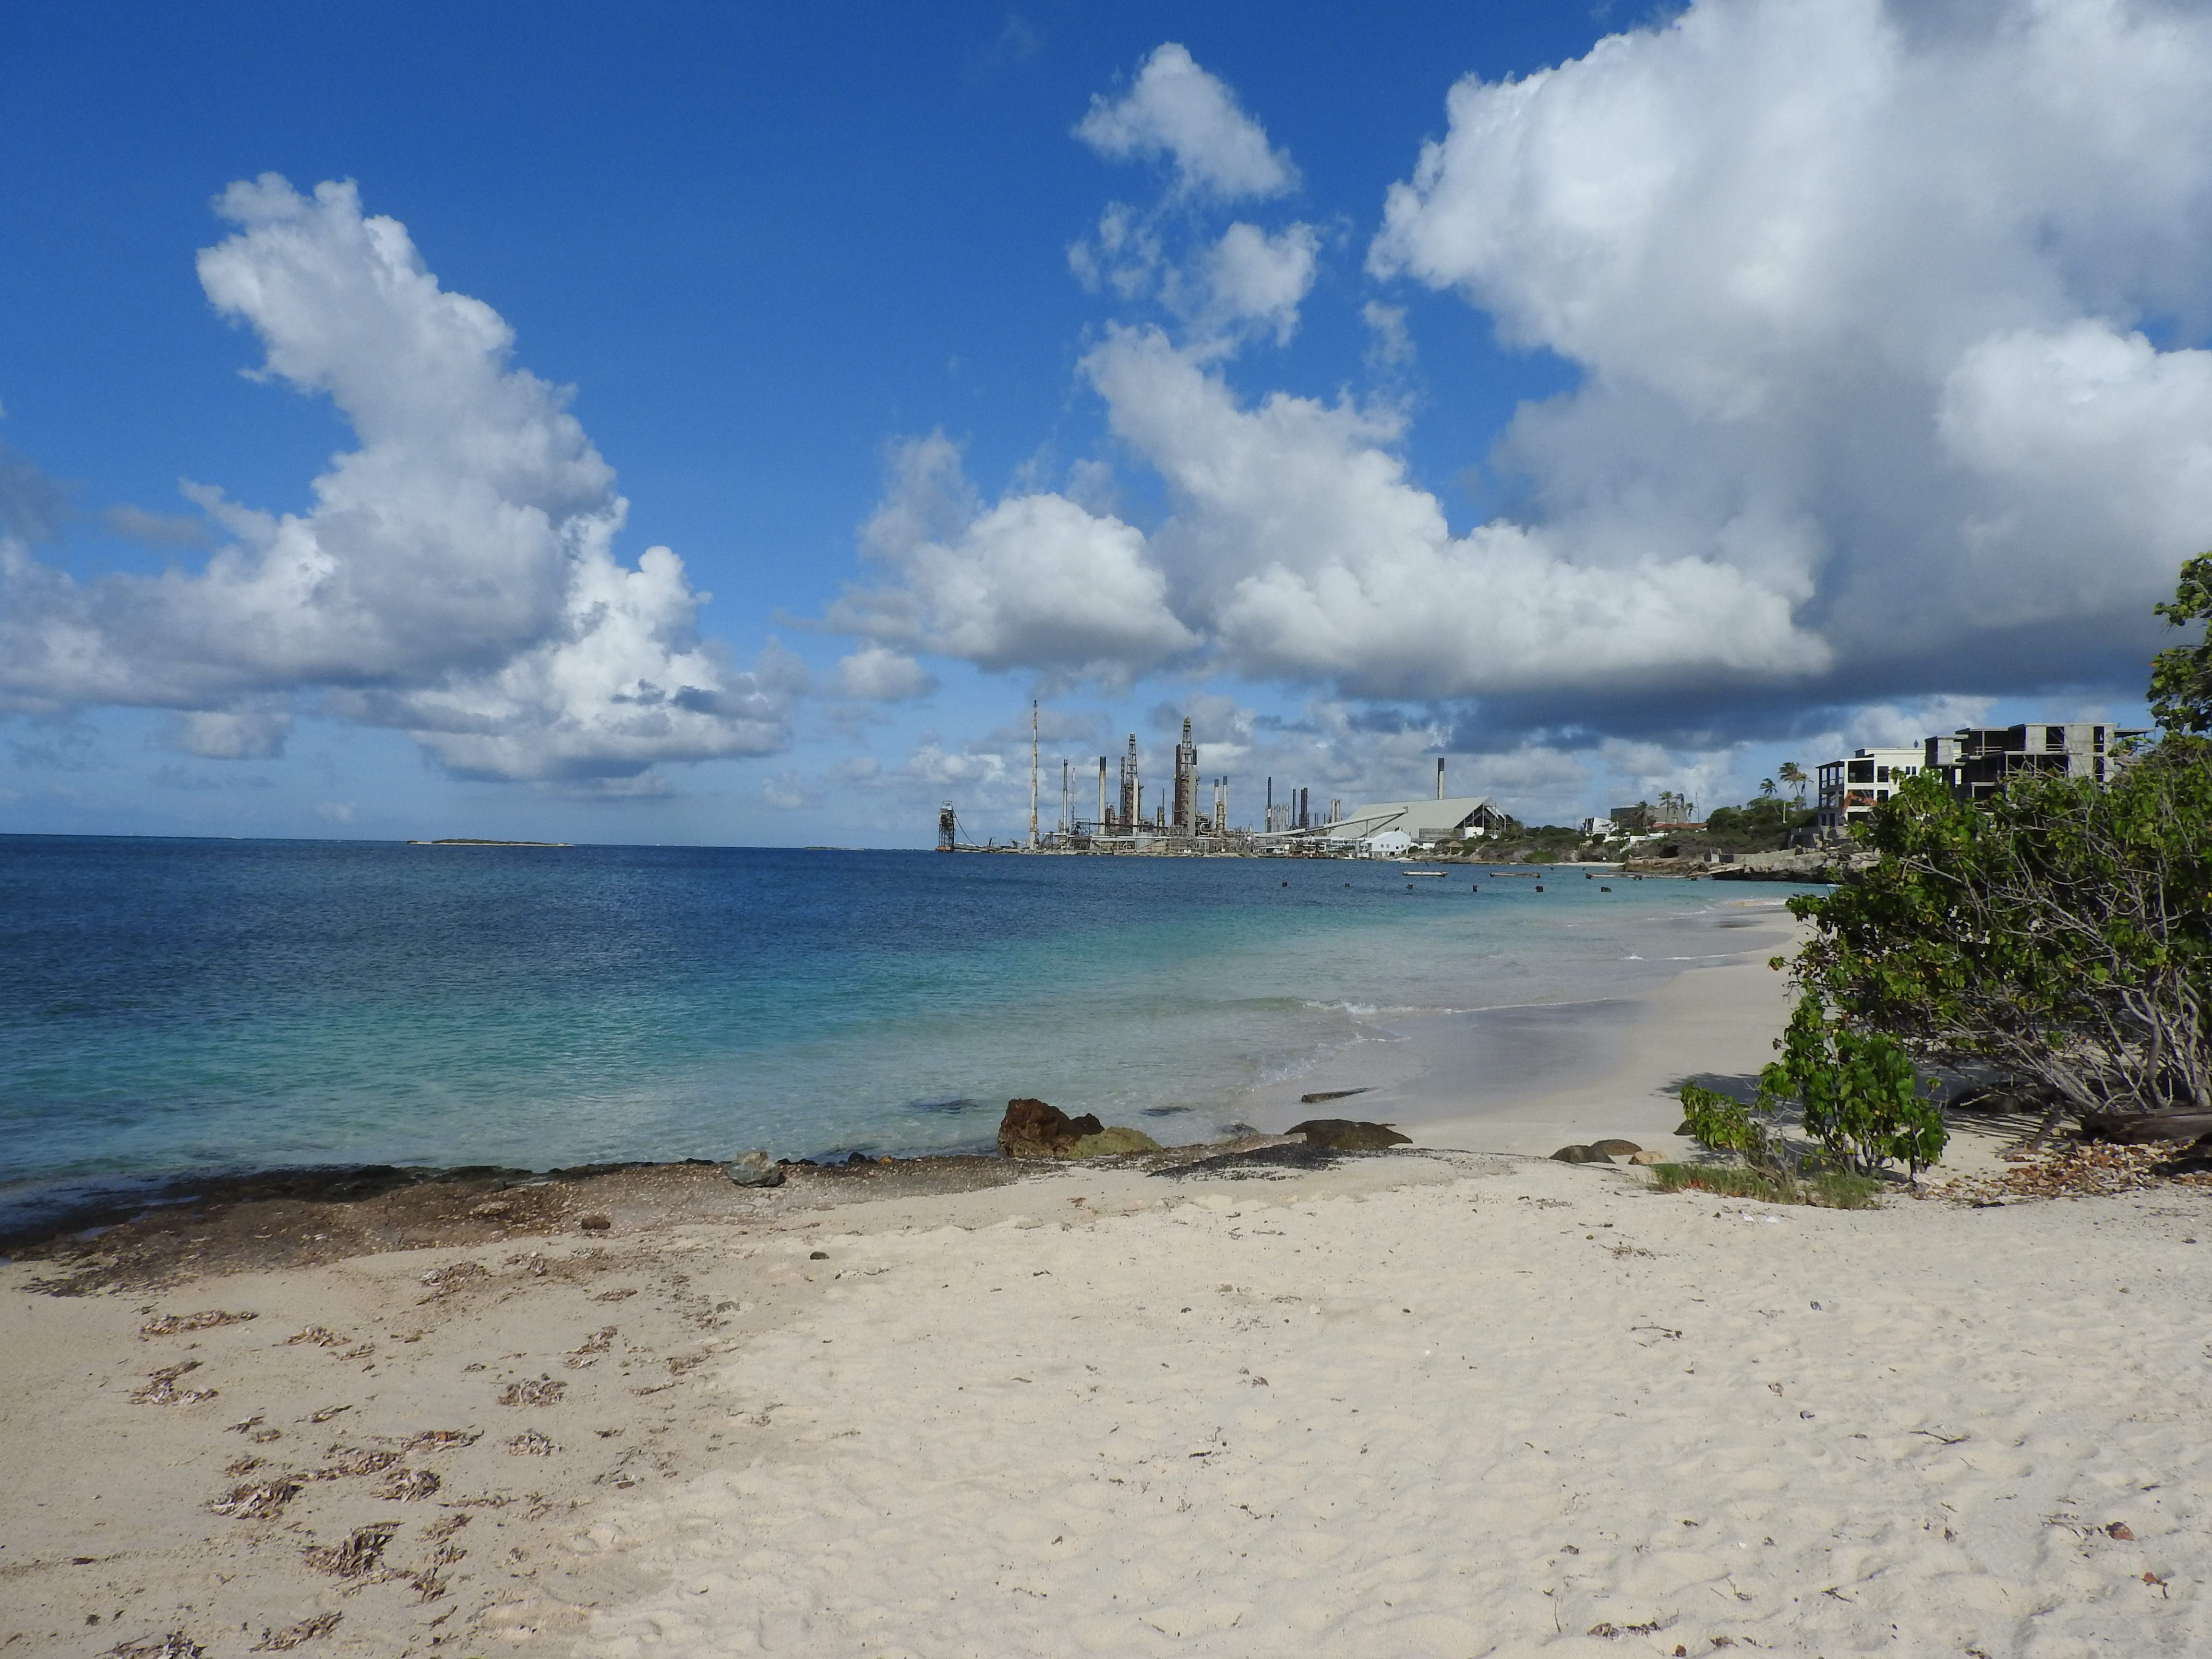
point(1447, 1403)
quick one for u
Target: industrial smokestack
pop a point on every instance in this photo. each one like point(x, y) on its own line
point(1440, 777)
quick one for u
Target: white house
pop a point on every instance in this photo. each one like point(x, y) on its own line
point(1850, 788)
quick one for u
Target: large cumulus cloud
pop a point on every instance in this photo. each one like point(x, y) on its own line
point(1887, 321)
point(455, 577)
point(1866, 298)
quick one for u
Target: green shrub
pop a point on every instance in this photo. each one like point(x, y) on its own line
point(1859, 1097)
point(1721, 1124)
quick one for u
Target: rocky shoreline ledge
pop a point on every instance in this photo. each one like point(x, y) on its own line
point(304, 1218)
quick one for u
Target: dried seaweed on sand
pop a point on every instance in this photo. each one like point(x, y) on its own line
point(207, 1319)
point(355, 1459)
point(292, 1635)
point(258, 1500)
point(406, 1485)
point(176, 1645)
point(452, 1277)
point(360, 1553)
point(591, 1348)
point(160, 1389)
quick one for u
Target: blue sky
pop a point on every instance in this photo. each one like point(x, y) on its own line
point(1721, 384)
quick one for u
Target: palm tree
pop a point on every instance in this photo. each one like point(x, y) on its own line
point(1767, 789)
point(1793, 774)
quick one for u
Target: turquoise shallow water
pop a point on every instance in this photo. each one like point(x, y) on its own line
point(173, 1006)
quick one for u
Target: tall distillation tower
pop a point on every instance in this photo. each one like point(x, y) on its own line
point(1186, 784)
point(1128, 823)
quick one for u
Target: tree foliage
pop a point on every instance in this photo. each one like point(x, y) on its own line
point(2181, 676)
point(2061, 933)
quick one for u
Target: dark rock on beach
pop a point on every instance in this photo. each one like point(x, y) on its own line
point(1615, 1148)
point(1580, 1155)
point(1031, 1128)
point(1034, 1128)
point(1113, 1141)
point(1344, 1134)
point(753, 1169)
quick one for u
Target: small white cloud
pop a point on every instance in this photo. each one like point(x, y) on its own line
point(787, 791)
point(254, 735)
point(1176, 109)
point(337, 811)
point(1125, 255)
point(1392, 345)
point(876, 673)
point(1251, 276)
point(1034, 583)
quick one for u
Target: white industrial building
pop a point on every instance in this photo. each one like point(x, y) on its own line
point(1389, 829)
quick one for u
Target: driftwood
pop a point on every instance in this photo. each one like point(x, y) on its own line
point(2139, 1128)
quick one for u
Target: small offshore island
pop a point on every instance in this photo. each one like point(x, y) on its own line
point(480, 841)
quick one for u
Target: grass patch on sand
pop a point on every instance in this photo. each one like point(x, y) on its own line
point(1830, 1190)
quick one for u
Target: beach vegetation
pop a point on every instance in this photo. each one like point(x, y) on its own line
point(1829, 1189)
point(1855, 1094)
point(2057, 937)
point(1722, 1123)
point(1764, 825)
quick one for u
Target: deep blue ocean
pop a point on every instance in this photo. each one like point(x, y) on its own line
point(171, 1006)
